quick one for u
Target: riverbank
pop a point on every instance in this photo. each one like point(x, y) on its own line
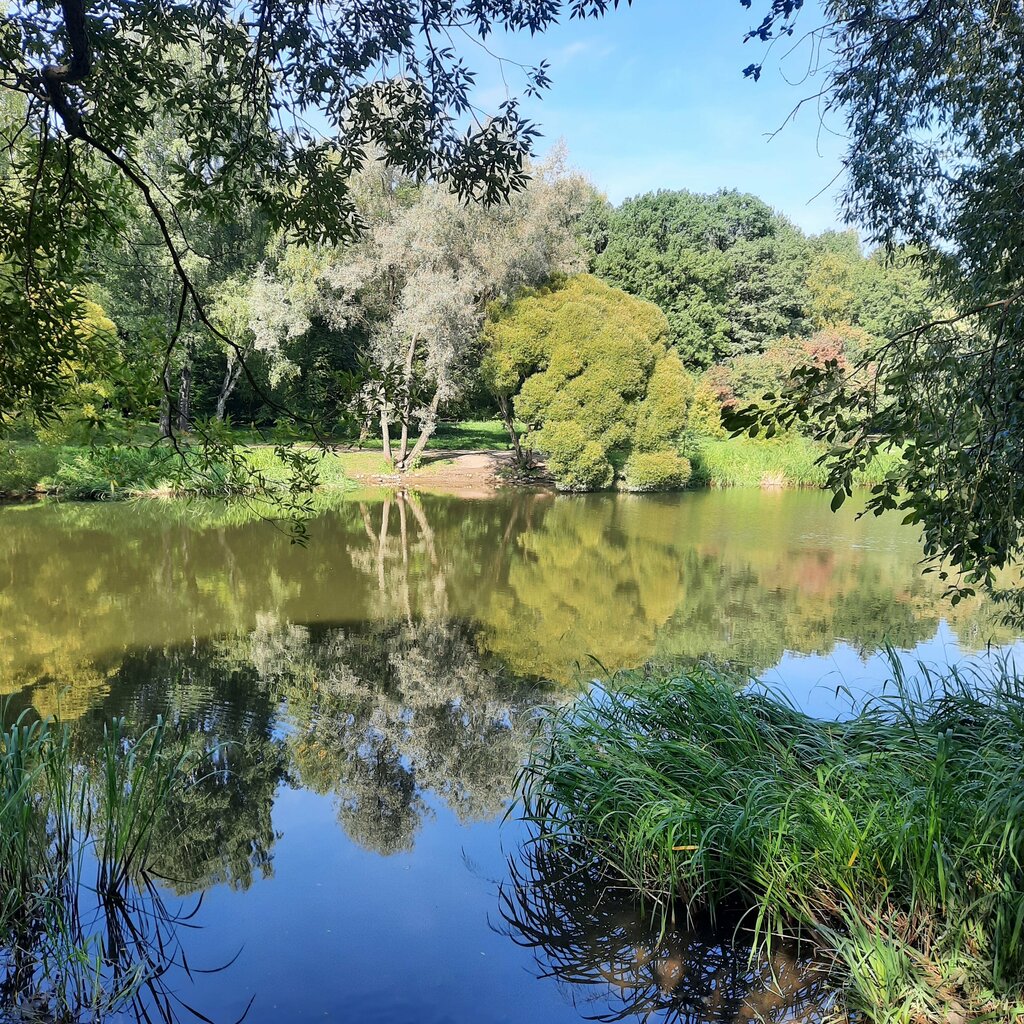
point(891, 840)
point(470, 459)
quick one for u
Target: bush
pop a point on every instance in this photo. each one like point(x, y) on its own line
point(108, 471)
point(593, 372)
point(578, 464)
point(23, 466)
point(657, 471)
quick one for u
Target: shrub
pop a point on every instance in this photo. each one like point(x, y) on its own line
point(22, 467)
point(107, 471)
point(594, 374)
point(657, 471)
point(579, 464)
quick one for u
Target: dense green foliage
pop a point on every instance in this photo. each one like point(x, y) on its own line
point(153, 156)
point(933, 161)
point(86, 90)
point(590, 374)
point(894, 837)
point(729, 273)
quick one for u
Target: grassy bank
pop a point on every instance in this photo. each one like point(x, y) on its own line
point(124, 469)
point(895, 839)
point(786, 461)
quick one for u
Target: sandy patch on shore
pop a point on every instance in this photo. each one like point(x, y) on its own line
point(469, 474)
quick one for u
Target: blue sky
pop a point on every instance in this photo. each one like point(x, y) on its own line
point(653, 96)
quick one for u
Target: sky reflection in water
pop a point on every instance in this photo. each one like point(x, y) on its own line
point(375, 692)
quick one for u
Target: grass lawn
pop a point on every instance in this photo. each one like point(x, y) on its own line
point(475, 435)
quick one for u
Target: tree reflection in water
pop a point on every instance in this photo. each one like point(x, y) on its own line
point(618, 962)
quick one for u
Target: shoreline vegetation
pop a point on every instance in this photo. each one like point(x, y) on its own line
point(84, 928)
point(471, 458)
point(891, 840)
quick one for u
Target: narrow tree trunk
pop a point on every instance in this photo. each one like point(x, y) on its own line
point(165, 404)
point(426, 430)
point(234, 371)
point(403, 440)
point(509, 420)
point(185, 396)
point(385, 432)
point(410, 355)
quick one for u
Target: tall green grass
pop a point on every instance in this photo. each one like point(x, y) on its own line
point(896, 838)
point(83, 928)
point(114, 471)
point(785, 461)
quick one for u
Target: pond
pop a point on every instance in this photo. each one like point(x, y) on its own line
point(374, 694)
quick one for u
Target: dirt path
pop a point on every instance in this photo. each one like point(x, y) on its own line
point(467, 473)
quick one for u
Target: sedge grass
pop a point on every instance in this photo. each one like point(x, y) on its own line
point(83, 927)
point(896, 838)
point(785, 461)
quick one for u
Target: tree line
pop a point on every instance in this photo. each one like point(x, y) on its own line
point(604, 336)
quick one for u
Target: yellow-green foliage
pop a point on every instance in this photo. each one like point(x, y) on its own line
point(657, 471)
point(92, 383)
point(595, 379)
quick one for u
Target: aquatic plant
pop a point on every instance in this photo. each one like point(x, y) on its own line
point(895, 838)
point(84, 929)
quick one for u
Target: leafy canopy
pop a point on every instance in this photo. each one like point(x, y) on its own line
point(726, 270)
point(274, 105)
point(928, 96)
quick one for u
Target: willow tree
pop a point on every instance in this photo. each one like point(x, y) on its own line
point(418, 283)
point(927, 91)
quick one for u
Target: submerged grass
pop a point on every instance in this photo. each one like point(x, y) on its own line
point(895, 839)
point(83, 929)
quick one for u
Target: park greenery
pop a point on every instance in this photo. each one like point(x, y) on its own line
point(545, 313)
point(891, 839)
point(204, 294)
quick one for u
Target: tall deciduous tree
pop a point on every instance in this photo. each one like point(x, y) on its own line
point(727, 271)
point(927, 93)
point(421, 279)
point(245, 82)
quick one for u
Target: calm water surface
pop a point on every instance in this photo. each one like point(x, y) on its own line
point(375, 692)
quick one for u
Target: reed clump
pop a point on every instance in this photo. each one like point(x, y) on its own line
point(83, 927)
point(894, 839)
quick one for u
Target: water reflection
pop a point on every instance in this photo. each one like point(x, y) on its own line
point(379, 718)
point(552, 583)
point(119, 957)
point(622, 963)
point(367, 701)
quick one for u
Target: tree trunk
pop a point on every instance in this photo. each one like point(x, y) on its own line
point(234, 371)
point(165, 404)
point(426, 430)
point(385, 432)
point(410, 355)
point(185, 395)
point(509, 420)
point(403, 441)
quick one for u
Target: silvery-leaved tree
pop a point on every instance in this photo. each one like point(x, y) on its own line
point(928, 94)
point(275, 105)
point(419, 282)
